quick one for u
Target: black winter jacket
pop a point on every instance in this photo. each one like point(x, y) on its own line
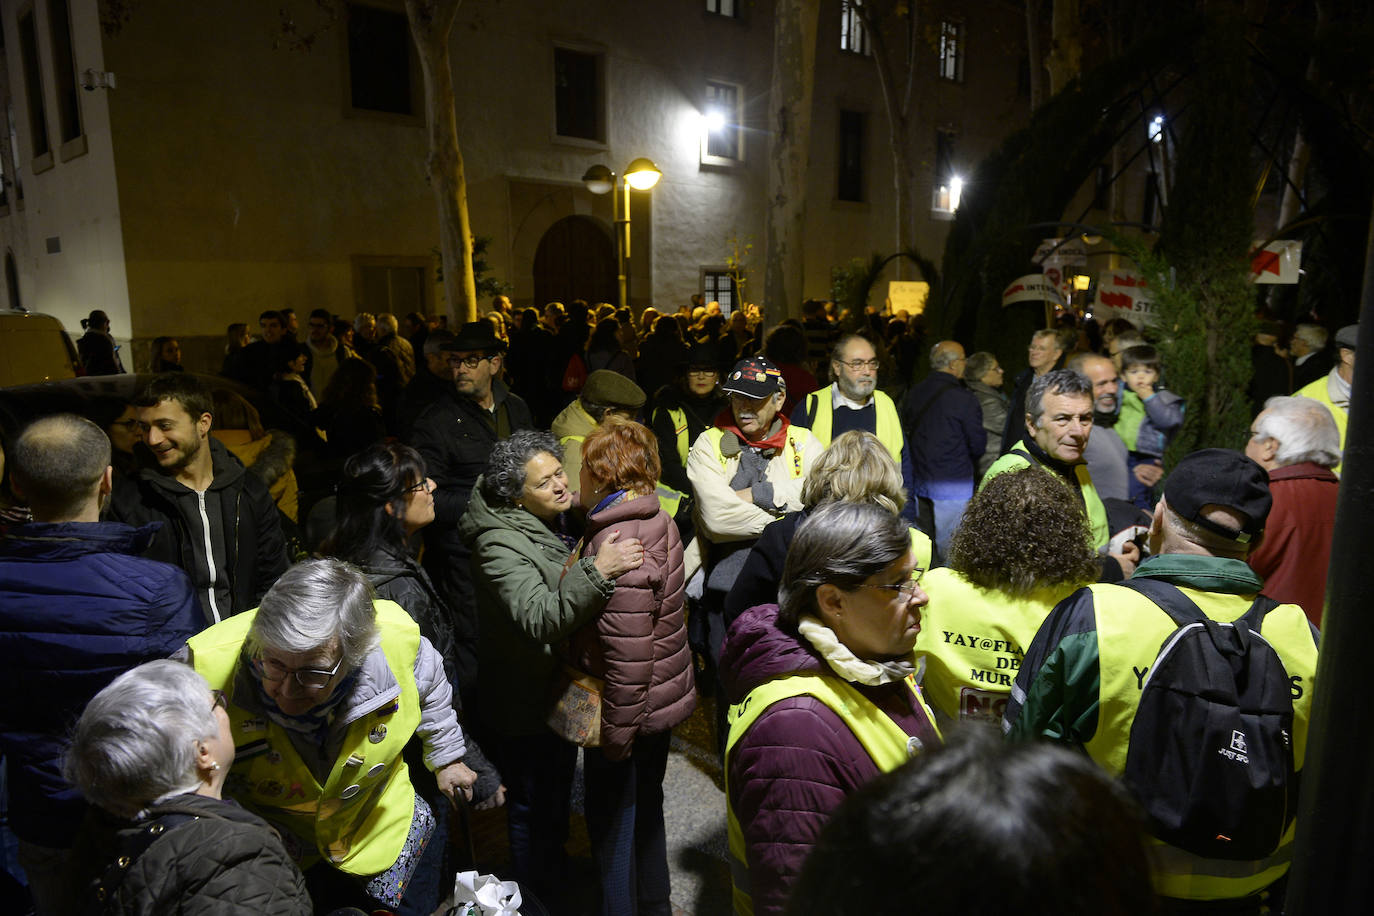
point(252, 548)
point(209, 857)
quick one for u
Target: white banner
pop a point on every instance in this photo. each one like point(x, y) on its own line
point(1124, 294)
point(1032, 288)
point(1277, 262)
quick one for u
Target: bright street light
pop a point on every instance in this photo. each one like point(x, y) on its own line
point(641, 174)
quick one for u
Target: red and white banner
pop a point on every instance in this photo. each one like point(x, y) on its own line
point(1032, 288)
point(1124, 294)
point(1277, 262)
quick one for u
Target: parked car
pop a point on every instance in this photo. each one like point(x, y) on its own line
point(35, 348)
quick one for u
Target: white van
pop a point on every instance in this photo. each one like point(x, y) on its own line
point(35, 348)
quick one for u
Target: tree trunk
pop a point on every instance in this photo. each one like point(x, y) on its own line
point(431, 23)
point(897, 85)
point(794, 58)
point(1066, 55)
point(1034, 55)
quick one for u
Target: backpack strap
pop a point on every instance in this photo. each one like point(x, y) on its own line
point(1183, 610)
point(812, 404)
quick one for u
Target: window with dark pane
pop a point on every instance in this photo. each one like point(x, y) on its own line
point(851, 178)
point(577, 94)
point(379, 61)
point(719, 286)
point(33, 85)
point(64, 71)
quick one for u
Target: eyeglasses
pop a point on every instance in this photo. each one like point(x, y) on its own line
point(854, 365)
point(908, 589)
point(310, 678)
point(421, 487)
point(467, 362)
point(702, 373)
point(219, 700)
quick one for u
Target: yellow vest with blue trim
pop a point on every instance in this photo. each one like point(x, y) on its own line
point(1019, 457)
point(885, 742)
point(358, 819)
point(820, 410)
point(1130, 630)
point(1318, 391)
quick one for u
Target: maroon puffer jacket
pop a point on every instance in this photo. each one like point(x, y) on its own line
point(638, 644)
point(798, 760)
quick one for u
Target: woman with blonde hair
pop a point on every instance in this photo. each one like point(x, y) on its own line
point(1024, 545)
point(856, 468)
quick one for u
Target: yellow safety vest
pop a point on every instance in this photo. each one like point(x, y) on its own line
point(1130, 630)
point(974, 640)
point(360, 817)
point(792, 453)
point(678, 416)
point(1019, 457)
point(821, 411)
point(882, 739)
point(668, 499)
point(921, 548)
point(1318, 391)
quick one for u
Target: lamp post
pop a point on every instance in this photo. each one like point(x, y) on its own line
point(641, 174)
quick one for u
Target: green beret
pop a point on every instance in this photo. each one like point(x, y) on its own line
point(611, 389)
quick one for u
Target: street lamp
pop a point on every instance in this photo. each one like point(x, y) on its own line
point(641, 174)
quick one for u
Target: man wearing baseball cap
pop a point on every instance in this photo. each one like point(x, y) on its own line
point(1333, 389)
point(747, 471)
point(1082, 678)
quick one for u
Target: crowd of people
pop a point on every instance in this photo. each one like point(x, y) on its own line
point(399, 567)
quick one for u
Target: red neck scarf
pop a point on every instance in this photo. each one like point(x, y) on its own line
point(726, 421)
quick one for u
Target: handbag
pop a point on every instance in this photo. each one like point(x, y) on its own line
point(575, 713)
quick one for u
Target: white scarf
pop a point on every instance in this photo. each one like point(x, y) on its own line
point(1339, 389)
point(845, 663)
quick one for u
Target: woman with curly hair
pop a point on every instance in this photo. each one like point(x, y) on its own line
point(1024, 545)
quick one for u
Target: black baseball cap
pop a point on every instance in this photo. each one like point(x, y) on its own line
point(754, 377)
point(1220, 477)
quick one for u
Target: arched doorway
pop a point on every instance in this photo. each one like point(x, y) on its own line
point(575, 260)
point(12, 281)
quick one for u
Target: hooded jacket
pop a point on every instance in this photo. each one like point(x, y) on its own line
point(235, 518)
point(531, 595)
point(78, 606)
point(798, 760)
point(638, 643)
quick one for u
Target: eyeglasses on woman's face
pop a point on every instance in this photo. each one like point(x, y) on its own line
point(423, 486)
point(908, 589)
point(271, 670)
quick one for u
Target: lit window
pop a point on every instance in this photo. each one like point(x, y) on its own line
point(718, 286)
point(853, 38)
point(948, 186)
point(1157, 129)
point(727, 8)
point(952, 51)
point(722, 141)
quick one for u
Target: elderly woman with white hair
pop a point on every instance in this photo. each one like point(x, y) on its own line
point(154, 748)
point(326, 685)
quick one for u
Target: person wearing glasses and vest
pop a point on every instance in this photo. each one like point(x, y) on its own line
point(1059, 419)
point(325, 687)
point(824, 692)
point(853, 402)
point(1084, 679)
point(684, 410)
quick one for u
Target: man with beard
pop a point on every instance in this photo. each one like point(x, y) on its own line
point(1106, 454)
point(852, 402)
point(944, 421)
point(219, 523)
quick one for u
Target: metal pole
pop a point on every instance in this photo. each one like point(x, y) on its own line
point(1335, 837)
point(622, 242)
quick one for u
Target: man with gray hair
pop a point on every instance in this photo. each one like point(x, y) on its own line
point(1058, 421)
point(78, 605)
point(1311, 359)
point(943, 422)
point(1296, 441)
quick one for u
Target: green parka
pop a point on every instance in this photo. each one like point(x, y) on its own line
point(529, 598)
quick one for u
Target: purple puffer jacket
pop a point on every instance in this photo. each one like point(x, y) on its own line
point(798, 760)
point(638, 643)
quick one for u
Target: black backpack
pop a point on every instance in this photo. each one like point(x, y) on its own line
point(1211, 748)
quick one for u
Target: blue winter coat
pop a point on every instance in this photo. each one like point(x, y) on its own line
point(78, 607)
